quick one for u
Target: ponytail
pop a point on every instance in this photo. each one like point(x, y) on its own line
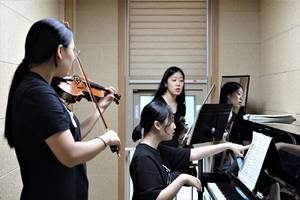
point(20, 72)
point(137, 133)
point(154, 111)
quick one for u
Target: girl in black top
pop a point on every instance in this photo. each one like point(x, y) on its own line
point(44, 132)
point(171, 91)
point(152, 162)
point(231, 93)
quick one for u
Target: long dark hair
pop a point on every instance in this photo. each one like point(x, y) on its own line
point(180, 99)
point(227, 89)
point(154, 111)
point(41, 44)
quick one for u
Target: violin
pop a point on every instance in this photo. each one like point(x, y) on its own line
point(73, 88)
point(182, 137)
point(191, 170)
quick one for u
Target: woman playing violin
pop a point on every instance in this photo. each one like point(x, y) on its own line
point(47, 137)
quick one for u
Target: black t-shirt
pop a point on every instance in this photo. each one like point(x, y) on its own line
point(235, 129)
point(37, 114)
point(150, 169)
point(180, 112)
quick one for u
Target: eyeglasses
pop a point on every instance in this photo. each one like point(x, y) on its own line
point(169, 178)
point(76, 52)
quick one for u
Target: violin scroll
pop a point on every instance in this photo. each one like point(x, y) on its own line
point(182, 139)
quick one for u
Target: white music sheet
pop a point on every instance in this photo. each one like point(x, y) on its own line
point(254, 160)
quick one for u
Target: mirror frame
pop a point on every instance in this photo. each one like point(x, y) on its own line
point(244, 80)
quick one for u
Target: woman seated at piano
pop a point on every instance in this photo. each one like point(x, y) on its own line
point(231, 93)
point(152, 162)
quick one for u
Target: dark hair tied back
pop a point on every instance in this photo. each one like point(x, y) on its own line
point(137, 133)
point(154, 111)
point(41, 44)
point(25, 63)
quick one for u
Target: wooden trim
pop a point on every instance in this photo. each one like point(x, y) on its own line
point(69, 13)
point(215, 50)
point(69, 17)
point(121, 88)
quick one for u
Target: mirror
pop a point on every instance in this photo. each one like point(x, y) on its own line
point(242, 80)
point(231, 89)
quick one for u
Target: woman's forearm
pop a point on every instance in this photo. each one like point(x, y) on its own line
point(171, 191)
point(71, 153)
point(88, 123)
point(290, 148)
point(206, 151)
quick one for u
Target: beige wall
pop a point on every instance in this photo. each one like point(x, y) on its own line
point(239, 44)
point(97, 39)
point(260, 38)
point(279, 58)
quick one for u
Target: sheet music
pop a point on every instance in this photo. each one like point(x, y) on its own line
point(254, 160)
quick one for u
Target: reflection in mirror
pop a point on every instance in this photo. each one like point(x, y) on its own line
point(234, 90)
point(243, 80)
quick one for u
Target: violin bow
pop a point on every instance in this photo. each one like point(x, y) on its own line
point(93, 97)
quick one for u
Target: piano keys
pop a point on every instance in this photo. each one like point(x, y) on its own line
point(215, 191)
point(226, 186)
point(232, 192)
point(222, 185)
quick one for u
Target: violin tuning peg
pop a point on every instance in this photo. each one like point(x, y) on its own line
point(66, 23)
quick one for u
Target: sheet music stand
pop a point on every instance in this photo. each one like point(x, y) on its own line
point(209, 126)
point(270, 172)
point(210, 123)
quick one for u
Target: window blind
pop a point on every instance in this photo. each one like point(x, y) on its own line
point(167, 33)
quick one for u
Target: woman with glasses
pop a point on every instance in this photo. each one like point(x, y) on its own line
point(46, 135)
point(152, 162)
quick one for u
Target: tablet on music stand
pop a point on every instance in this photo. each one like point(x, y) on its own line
point(210, 123)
